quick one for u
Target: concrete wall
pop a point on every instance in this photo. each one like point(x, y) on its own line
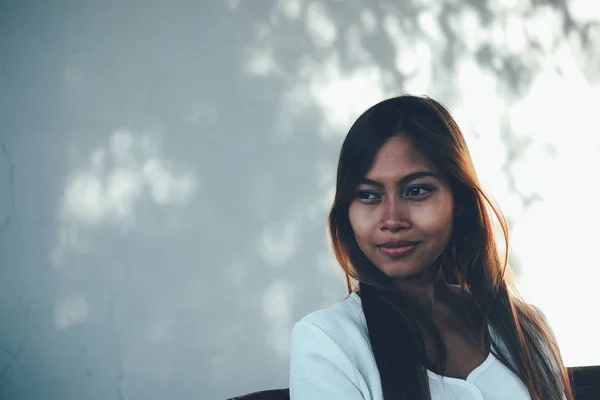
point(166, 170)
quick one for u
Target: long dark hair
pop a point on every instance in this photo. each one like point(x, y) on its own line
point(471, 260)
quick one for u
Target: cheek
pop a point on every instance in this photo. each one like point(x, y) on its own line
point(361, 221)
point(435, 219)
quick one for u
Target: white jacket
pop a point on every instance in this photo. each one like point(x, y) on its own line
point(331, 359)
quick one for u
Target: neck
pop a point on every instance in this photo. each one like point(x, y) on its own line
point(427, 289)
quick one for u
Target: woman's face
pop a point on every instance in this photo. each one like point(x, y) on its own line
point(402, 212)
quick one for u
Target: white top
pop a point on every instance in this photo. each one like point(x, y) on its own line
point(331, 359)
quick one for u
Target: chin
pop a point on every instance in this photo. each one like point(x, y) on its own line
point(399, 271)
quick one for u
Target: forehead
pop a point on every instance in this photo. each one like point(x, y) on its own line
point(399, 157)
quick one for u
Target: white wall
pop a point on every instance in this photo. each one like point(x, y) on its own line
point(166, 170)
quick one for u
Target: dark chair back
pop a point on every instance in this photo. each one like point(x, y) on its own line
point(276, 394)
point(586, 385)
point(586, 382)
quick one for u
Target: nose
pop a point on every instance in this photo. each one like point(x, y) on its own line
point(395, 215)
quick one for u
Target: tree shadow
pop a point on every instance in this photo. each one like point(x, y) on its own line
point(189, 295)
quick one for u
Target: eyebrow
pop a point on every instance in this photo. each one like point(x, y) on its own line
point(404, 180)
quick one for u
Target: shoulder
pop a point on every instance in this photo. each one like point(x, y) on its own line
point(339, 321)
point(341, 326)
point(330, 354)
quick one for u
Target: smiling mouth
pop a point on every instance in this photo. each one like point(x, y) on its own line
point(397, 250)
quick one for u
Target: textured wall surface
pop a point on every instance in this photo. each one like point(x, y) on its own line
point(166, 169)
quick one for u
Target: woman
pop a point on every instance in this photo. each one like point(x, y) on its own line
point(435, 314)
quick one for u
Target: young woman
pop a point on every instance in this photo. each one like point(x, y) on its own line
point(435, 314)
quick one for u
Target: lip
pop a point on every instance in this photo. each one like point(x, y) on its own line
point(398, 243)
point(397, 248)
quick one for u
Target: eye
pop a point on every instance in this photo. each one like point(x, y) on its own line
point(418, 191)
point(367, 195)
